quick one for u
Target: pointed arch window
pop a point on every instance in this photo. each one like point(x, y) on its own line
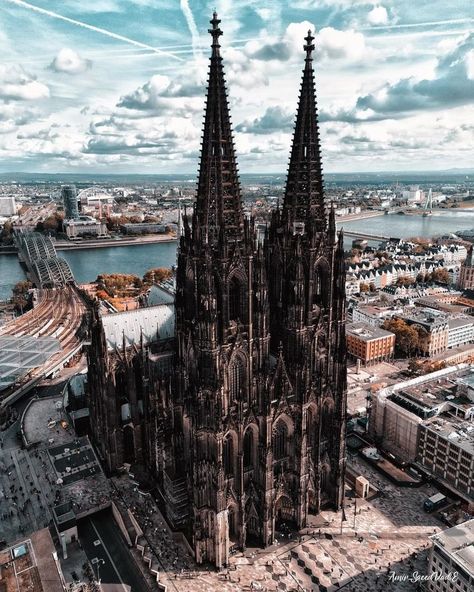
point(228, 455)
point(236, 300)
point(248, 448)
point(189, 295)
point(321, 284)
point(310, 428)
point(236, 378)
point(280, 438)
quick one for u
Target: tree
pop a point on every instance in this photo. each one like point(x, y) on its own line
point(156, 275)
point(406, 336)
point(6, 236)
point(441, 275)
point(53, 223)
point(405, 280)
point(20, 296)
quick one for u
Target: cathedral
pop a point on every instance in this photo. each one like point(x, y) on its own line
point(234, 402)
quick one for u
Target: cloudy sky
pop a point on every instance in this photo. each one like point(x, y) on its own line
point(118, 85)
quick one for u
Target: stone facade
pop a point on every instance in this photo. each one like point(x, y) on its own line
point(250, 432)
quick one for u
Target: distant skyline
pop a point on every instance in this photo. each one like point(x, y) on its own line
point(117, 86)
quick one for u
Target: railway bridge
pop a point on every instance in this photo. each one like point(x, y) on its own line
point(38, 254)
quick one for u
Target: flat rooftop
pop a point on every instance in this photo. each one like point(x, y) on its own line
point(426, 316)
point(366, 332)
point(44, 421)
point(459, 543)
point(29, 565)
point(459, 432)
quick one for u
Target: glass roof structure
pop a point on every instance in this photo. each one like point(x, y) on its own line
point(20, 355)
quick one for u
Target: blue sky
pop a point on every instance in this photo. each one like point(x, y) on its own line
point(118, 85)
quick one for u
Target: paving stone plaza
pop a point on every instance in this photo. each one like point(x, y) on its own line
point(383, 537)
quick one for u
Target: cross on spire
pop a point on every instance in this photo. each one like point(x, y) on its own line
point(309, 46)
point(215, 31)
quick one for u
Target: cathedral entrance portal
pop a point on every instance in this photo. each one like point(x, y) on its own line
point(284, 514)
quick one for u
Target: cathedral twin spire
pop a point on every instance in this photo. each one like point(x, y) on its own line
point(219, 212)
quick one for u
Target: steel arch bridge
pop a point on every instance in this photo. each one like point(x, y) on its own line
point(47, 269)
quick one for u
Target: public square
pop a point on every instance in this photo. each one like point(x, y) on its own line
point(386, 535)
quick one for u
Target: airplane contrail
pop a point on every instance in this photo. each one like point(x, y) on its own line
point(105, 32)
point(188, 15)
point(425, 24)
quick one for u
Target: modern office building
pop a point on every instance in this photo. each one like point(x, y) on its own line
point(69, 197)
point(451, 560)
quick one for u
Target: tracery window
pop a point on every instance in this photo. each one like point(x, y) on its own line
point(280, 437)
point(248, 449)
point(236, 378)
point(228, 455)
point(236, 300)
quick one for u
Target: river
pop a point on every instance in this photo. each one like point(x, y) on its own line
point(88, 264)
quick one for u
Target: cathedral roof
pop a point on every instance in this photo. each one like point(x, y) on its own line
point(152, 324)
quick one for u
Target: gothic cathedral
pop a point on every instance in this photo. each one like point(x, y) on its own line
point(252, 428)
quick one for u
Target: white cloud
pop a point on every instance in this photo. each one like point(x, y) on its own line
point(330, 43)
point(70, 62)
point(378, 16)
point(335, 44)
point(17, 85)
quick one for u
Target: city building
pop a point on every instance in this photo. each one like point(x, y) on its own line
point(143, 228)
point(69, 197)
point(247, 431)
point(435, 330)
point(84, 226)
point(466, 275)
point(374, 315)
point(451, 560)
point(7, 206)
point(31, 564)
point(429, 421)
point(369, 344)
point(460, 331)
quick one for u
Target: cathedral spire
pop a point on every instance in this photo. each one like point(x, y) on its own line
point(304, 199)
point(218, 212)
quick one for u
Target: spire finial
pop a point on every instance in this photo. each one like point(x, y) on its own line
point(309, 46)
point(215, 31)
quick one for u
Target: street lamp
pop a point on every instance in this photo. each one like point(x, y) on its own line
point(98, 562)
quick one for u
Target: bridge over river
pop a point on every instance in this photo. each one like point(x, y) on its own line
point(38, 254)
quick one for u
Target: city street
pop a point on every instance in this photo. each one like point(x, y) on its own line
point(102, 541)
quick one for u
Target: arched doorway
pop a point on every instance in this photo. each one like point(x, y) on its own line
point(284, 514)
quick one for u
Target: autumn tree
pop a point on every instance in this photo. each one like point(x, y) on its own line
point(156, 275)
point(20, 296)
point(441, 275)
point(406, 336)
point(6, 236)
point(405, 280)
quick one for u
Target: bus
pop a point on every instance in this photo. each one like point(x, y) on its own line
point(434, 502)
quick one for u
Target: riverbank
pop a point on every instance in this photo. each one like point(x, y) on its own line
point(360, 216)
point(62, 245)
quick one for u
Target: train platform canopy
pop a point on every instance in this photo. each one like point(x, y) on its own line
point(150, 324)
point(21, 355)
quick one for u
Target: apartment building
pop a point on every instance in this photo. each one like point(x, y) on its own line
point(369, 344)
